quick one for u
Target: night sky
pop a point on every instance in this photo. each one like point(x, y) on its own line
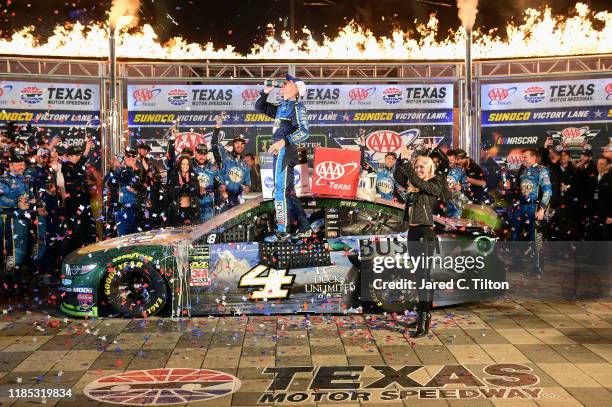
point(243, 22)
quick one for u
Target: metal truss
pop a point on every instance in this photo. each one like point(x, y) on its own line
point(337, 71)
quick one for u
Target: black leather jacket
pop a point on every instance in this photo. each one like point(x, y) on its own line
point(419, 205)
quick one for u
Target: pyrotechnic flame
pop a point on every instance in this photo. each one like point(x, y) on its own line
point(467, 12)
point(123, 13)
point(539, 34)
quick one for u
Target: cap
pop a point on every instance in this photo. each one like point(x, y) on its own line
point(298, 82)
point(129, 152)
point(240, 139)
point(587, 152)
point(187, 150)
point(16, 158)
point(460, 153)
point(202, 148)
point(73, 150)
point(391, 153)
point(144, 146)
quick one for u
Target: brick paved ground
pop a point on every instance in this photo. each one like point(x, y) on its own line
point(568, 345)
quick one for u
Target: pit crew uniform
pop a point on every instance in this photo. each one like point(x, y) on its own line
point(386, 186)
point(454, 206)
point(14, 223)
point(208, 178)
point(234, 173)
point(125, 217)
point(291, 125)
point(535, 193)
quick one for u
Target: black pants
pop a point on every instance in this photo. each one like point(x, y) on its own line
point(425, 249)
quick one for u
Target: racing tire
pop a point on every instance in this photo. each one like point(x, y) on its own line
point(134, 292)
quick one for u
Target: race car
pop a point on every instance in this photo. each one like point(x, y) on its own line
point(223, 266)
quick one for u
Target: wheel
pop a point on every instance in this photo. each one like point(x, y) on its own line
point(134, 290)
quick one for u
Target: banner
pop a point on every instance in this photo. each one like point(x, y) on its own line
point(336, 173)
point(49, 104)
point(391, 115)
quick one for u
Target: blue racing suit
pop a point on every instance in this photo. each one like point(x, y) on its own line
point(126, 215)
point(386, 186)
point(208, 178)
point(13, 221)
point(291, 125)
point(535, 193)
point(454, 206)
point(233, 171)
point(38, 178)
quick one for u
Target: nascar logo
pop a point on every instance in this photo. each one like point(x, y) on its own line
point(498, 96)
point(359, 94)
point(534, 94)
point(331, 171)
point(249, 95)
point(392, 96)
point(142, 96)
point(31, 95)
point(177, 97)
point(516, 140)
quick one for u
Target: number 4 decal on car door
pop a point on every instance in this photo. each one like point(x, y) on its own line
point(271, 280)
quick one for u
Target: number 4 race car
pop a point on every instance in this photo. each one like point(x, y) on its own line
point(224, 266)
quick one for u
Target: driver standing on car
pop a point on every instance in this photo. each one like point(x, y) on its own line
point(290, 129)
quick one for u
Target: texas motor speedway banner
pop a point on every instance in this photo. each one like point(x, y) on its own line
point(576, 114)
point(392, 115)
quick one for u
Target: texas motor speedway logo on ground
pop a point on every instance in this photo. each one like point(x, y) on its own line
point(345, 384)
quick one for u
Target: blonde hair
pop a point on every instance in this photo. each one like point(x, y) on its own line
point(429, 164)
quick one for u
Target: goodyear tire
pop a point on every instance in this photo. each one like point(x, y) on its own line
point(133, 289)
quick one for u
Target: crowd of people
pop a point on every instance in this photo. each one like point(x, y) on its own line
point(48, 193)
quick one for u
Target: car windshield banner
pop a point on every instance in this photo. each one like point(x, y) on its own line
point(392, 115)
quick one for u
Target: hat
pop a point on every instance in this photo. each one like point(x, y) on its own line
point(202, 148)
point(298, 82)
point(73, 150)
point(187, 150)
point(240, 139)
point(460, 153)
point(587, 152)
point(129, 152)
point(144, 146)
point(16, 158)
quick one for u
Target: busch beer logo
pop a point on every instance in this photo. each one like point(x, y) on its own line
point(498, 96)
point(142, 96)
point(384, 141)
point(534, 94)
point(249, 96)
point(360, 94)
point(331, 171)
point(573, 137)
point(235, 174)
point(608, 90)
point(31, 95)
point(392, 96)
point(177, 97)
point(187, 139)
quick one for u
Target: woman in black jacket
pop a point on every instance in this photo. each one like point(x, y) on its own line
point(424, 192)
point(183, 191)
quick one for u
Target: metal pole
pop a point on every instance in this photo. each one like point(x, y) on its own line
point(467, 103)
point(292, 20)
point(112, 114)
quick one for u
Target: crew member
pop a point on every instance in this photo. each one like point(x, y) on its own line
point(457, 183)
point(290, 129)
point(208, 179)
point(255, 174)
point(475, 177)
point(423, 195)
point(386, 186)
point(234, 173)
point(129, 184)
point(531, 212)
